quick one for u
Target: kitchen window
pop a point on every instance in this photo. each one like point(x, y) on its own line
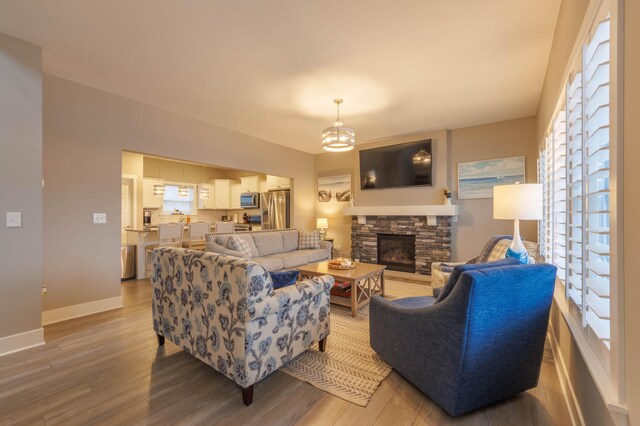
point(175, 203)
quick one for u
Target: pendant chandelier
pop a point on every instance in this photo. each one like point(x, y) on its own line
point(337, 138)
point(183, 190)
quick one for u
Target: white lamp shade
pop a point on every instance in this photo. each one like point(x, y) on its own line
point(520, 201)
point(322, 223)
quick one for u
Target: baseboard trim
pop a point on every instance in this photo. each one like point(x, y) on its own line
point(21, 341)
point(565, 384)
point(83, 309)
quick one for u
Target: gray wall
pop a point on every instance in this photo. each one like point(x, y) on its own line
point(85, 131)
point(20, 185)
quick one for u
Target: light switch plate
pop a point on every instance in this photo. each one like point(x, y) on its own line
point(99, 218)
point(14, 219)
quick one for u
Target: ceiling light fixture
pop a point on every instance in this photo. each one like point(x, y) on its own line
point(183, 190)
point(203, 191)
point(337, 138)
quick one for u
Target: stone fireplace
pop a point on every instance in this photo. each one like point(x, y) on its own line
point(397, 252)
point(431, 242)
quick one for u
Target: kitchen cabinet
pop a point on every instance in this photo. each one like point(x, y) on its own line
point(207, 203)
point(278, 182)
point(222, 194)
point(263, 186)
point(150, 201)
point(250, 184)
point(236, 190)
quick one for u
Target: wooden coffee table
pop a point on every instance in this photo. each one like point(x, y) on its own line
point(366, 280)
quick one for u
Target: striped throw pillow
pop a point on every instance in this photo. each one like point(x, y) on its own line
point(308, 240)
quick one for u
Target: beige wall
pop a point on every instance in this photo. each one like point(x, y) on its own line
point(632, 206)
point(497, 140)
point(20, 185)
point(85, 132)
point(133, 164)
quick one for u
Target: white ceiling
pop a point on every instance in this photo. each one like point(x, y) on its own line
point(271, 69)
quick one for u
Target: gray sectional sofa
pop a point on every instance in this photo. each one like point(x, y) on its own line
point(275, 250)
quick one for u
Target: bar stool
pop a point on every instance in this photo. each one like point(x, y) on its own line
point(196, 235)
point(169, 235)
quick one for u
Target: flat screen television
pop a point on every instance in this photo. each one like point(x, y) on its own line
point(396, 166)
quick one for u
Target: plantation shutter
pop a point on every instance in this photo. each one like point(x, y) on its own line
point(559, 195)
point(597, 235)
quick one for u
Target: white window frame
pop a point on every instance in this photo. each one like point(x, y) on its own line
point(609, 378)
point(194, 202)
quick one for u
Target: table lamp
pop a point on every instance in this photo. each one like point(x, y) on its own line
point(517, 202)
point(322, 224)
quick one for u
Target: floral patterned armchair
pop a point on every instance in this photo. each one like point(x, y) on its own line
point(224, 311)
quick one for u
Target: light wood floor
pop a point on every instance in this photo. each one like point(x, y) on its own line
point(108, 369)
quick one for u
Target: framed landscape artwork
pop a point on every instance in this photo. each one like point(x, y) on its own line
point(476, 179)
point(334, 189)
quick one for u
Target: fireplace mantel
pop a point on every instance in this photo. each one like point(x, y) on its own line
point(430, 211)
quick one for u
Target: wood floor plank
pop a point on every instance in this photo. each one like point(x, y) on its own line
point(108, 369)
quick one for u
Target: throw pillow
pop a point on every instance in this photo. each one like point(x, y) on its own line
point(238, 244)
point(283, 278)
point(308, 240)
point(213, 247)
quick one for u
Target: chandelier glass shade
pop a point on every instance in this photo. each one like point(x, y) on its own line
point(338, 138)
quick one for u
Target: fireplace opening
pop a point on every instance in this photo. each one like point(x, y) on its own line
point(397, 252)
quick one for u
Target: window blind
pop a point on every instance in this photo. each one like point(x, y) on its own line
point(574, 170)
point(596, 116)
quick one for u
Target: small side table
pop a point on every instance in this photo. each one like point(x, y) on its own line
point(331, 241)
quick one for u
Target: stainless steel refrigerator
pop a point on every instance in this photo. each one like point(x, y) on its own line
point(276, 207)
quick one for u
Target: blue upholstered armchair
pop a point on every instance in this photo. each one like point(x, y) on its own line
point(480, 342)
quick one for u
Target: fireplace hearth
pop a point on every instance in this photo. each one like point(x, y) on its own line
point(397, 252)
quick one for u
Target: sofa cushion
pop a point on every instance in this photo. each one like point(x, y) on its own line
point(290, 240)
point(283, 278)
point(309, 240)
point(317, 255)
point(239, 244)
point(268, 243)
point(270, 263)
point(213, 247)
point(293, 258)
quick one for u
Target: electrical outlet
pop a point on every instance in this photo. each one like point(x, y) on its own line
point(14, 219)
point(99, 218)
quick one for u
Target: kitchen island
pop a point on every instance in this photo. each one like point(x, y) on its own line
point(147, 236)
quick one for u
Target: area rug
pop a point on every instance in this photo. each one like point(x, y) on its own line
point(349, 368)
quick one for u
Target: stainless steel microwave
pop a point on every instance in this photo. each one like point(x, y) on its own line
point(250, 200)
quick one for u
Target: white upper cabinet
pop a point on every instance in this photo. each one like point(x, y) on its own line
point(209, 202)
point(250, 184)
point(150, 201)
point(278, 182)
point(236, 190)
point(263, 186)
point(222, 193)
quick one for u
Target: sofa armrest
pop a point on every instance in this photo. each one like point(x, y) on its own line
point(292, 294)
point(327, 245)
point(405, 337)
